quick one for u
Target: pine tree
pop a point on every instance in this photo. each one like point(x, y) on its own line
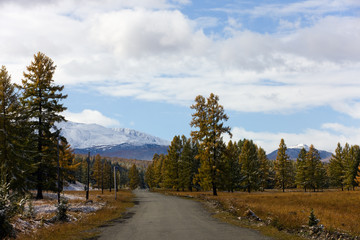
point(134, 177)
point(300, 178)
point(156, 166)
point(357, 178)
point(283, 167)
point(249, 166)
point(108, 175)
point(149, 176)
point(314, 169)
point(196, 164)
point(186, 163)
point(14, 164)
point(97, 171)
point(159, 169)
point(231, 170)
point(171, 178)
point(209, 119)
point(355, 152)
point(264, 168)
point(348, 163)
point(336, 168)
point(68, 166)
point(41, 97)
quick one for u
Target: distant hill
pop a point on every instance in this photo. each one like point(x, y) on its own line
point(129, 151)
point(123, 162)
point(116, 142)
point(294, 151)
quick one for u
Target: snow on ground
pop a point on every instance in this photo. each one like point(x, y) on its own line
point(66, 196)
point(77, 186)
point(44, 210)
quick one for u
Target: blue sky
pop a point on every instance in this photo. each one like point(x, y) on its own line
point(282, 69)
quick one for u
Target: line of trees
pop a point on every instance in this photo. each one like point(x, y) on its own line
point(101, 173)
point(28, 134)
point(205, 162)
point(30, 142)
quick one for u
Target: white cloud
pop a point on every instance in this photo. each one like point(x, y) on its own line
point(325, 139)
point(91, 116)
point(150, 50)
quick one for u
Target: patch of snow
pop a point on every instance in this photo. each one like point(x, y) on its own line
point(300, 146)
point(85, 208)
point(44, 208)
point(77, 186)
point(66, 196)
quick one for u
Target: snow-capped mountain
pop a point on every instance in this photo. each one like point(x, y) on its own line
point(293, 152)
point(81, 135)
point(300, 146)
point(116, 142)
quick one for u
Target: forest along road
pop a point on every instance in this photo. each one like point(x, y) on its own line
point(156, 217)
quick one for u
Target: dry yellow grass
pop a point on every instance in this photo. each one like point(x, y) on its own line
point(86, 226)
point(336, 210)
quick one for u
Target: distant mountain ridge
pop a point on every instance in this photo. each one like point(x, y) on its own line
point(81, 135)
point(116, 142)
point(293, 152)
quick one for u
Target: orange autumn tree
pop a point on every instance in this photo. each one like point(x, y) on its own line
point(67, 163)
point(357, 178)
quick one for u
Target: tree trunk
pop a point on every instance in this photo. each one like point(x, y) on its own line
point(39, 187)
point(214, 189)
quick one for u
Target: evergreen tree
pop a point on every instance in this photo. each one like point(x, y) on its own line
point(108, 175)
point(134, 177)
point(186, 163)
point(264, 169)
point(150, 176)
point(14, 164)
point(336, 168)
point(231, 169)
point(357, 178)
point(68, 167)
point(249, 166)
point(159, 169)
point(41, 97)
point(283, 167)
point(171, 178)
point(272, 174)
point(300, 178)
point(351, 163)
point(355, 152)
point(314, 169)
point(209, 120)
point(83, 168)
point(97, 171)
point(196, 164)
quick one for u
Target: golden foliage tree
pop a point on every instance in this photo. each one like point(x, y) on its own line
point(134, 177)
point(208, 119)
point(41, 101)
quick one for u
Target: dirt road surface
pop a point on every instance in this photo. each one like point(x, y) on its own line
point(156, 217)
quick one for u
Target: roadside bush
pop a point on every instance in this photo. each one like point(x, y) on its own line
point(10, 205)
point(62, 210)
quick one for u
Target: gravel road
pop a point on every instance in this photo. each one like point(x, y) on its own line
point(156, 217)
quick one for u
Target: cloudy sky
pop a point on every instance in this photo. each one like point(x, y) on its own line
point(282, 69)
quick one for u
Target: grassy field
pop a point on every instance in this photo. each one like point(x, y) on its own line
point(337, 210)
point(86, 226)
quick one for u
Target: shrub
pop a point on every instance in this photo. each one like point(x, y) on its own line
point(10, 205)
point(62, 208)
point(313, 221)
